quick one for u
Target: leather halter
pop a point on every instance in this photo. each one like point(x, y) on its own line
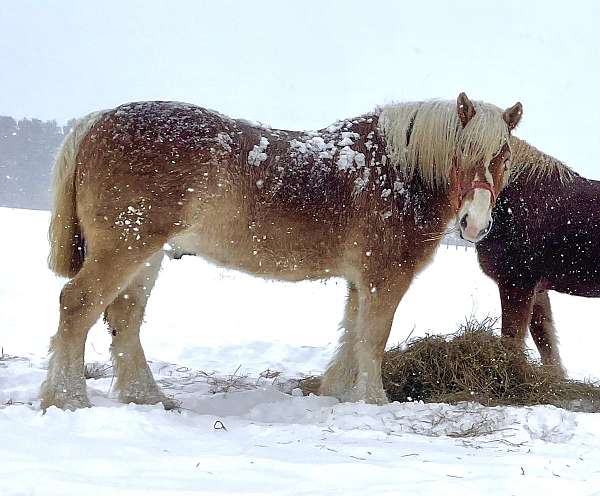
point(463, 190)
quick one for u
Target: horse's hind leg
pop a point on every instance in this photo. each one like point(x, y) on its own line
point(82, 301)
point(124, 316)
point(341, 374)
point(544, 333)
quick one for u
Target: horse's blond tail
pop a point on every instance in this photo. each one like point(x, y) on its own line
point(65, 236)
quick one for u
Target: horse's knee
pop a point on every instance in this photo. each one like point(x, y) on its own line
point(71, 298)
point(124, 313)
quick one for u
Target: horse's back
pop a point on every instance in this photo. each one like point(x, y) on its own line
point(154, 138)
point(158, 145)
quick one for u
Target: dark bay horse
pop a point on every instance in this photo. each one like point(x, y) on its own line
point(545, 237)
point(366, 199)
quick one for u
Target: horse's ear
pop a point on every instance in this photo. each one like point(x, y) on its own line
point(465, 108)
point(512, 115)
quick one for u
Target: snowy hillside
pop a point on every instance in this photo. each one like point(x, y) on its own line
point(205, 324)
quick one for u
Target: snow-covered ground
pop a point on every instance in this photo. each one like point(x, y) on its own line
point(204, 325)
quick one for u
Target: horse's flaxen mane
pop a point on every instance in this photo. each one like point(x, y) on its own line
point(534, 165)
point(423, 138)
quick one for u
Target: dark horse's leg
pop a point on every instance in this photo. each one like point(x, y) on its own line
point(544, 333)
point(517, 305)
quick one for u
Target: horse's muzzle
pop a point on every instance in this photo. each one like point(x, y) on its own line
point(471, 234)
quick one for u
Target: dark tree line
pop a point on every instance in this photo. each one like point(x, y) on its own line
point(27, 150)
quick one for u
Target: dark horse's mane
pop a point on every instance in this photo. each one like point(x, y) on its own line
point(532, 165)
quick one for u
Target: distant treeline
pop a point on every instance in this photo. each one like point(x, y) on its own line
point(27, 150)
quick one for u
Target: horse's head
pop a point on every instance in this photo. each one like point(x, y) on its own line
point(479, 175)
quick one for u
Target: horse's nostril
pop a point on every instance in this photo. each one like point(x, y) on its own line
point(463, 221)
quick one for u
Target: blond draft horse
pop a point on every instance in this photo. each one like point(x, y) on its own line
point(366, 199)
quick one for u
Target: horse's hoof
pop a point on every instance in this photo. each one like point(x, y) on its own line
point(146, 398)
point(370, 396)
point(171, 403)
point(379, 399)
point(65, 403)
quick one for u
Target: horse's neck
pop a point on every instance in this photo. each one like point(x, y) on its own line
point(414, 200)
point(431, 210)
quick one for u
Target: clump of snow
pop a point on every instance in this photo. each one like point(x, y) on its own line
point(348, 138)
point(298, 146)
point(360, 183)
point(258, 153)
point(129, 220)
point(315, 145)
point(225, 141)
point(398, 187)
point(348, 158)
point(335, 127)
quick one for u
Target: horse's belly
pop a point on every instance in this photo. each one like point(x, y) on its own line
point(577, 279)
point(256, 255)
point(586, 288)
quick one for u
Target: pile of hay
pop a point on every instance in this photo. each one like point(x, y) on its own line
point(475, 364)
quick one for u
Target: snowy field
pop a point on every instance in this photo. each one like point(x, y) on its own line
point(204, 325)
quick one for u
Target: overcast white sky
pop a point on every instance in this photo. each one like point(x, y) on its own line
point(303, 64)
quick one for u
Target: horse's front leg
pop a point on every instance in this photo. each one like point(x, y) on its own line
point(517, 305)
point(341, 373)
point(377, 305)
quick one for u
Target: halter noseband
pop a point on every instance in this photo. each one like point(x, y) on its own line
point(464, 191)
